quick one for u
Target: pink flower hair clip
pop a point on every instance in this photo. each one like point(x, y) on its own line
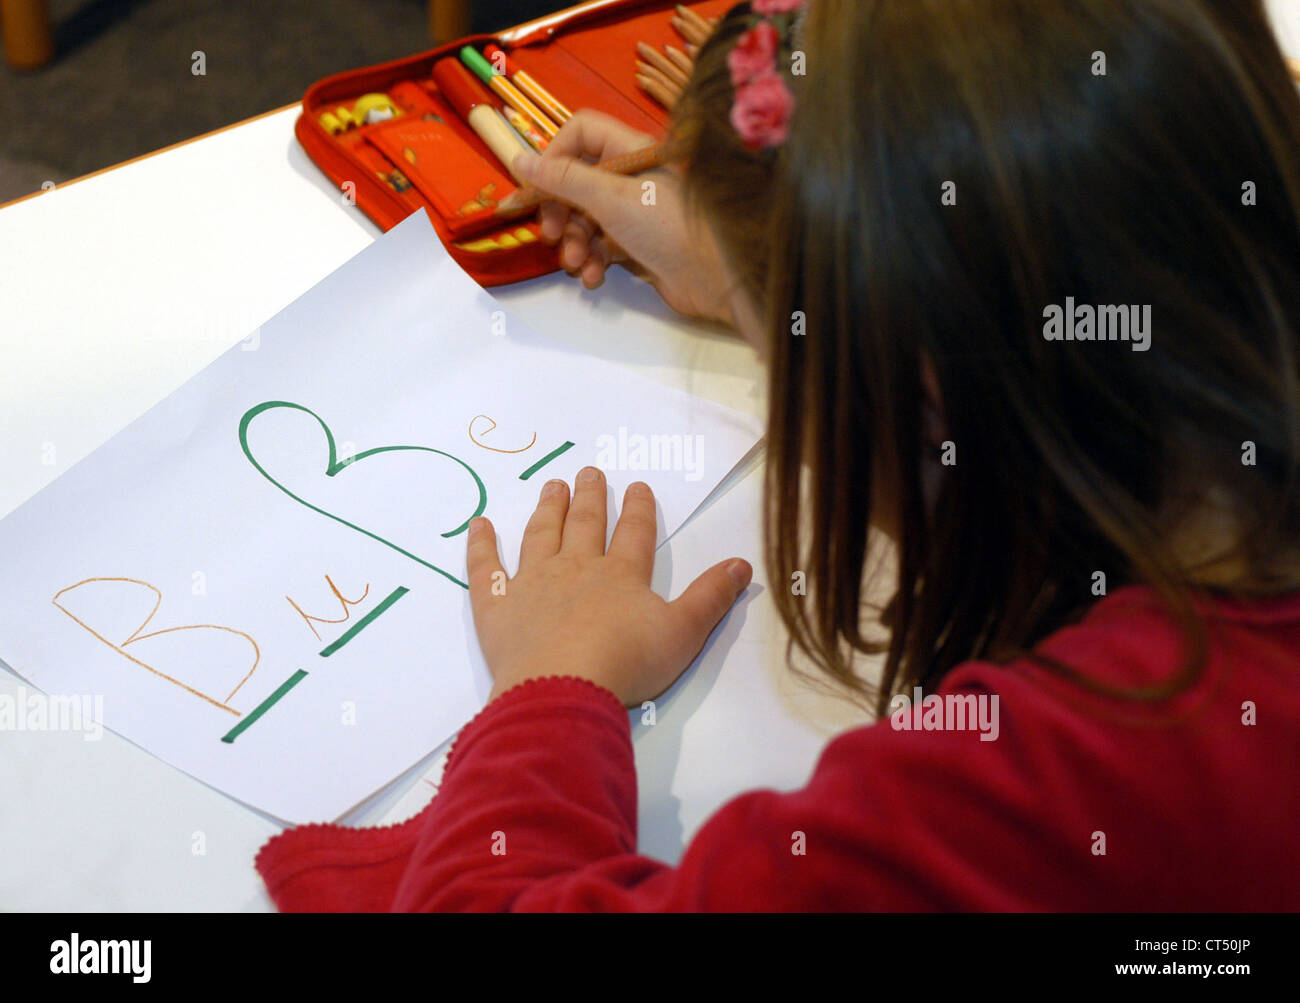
point(764, 101)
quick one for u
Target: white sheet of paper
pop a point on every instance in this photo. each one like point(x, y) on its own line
point(173, 572)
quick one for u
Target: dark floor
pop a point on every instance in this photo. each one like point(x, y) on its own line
point(122, 84)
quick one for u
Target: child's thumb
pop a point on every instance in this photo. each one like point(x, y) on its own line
point(708, 598)
point(602, 195)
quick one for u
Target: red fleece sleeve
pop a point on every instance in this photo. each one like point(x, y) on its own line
point(1068, 801)
point(537, 812)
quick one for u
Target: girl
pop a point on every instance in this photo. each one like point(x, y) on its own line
point(1027, 278)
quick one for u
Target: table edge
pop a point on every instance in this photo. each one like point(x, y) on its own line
point(154, 153)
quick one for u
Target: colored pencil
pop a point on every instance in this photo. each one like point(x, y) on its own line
point(671, 71)
point(689, 32)
point(544, 99)
point(682, 61)
point(657, 91)
point(701, 26)
point(649, 72)
point(472, 101)
point(505, 90)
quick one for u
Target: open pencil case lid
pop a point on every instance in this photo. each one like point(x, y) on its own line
point(425, 156)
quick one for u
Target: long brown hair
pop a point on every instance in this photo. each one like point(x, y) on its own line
point(1118, 152)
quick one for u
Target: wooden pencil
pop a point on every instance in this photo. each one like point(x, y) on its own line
point(688, 31)
point(663, 64)
point(657, 91)
point(538, 94)
point(695, 21)
point(671, 86)
point(680, 60)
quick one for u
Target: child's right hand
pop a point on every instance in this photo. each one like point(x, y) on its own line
point(599, 218)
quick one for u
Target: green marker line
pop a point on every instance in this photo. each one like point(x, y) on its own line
point(544, 461)
point(364, 622)
point(264, 706)
point(335, 465)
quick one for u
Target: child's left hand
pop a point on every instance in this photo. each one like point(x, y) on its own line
point(576, 609)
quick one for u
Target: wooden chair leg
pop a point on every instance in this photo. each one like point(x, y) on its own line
point(448, 20)
point(28, 40)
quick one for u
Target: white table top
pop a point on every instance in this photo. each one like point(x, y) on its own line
point(113, 292)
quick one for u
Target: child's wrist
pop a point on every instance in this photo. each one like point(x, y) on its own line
point(503, 686)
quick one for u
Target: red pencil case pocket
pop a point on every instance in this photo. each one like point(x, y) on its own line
point(460, 184)
point(420, 154)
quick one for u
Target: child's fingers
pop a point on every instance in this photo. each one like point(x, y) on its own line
point(603, 195)
point(554, 217)
point(597, 263)
point(593, 274)
point(545, 529)
point(588, 135)
point(594, 135)
point(481, 558)
point(576, 246)
point(584, 526)
point(636, 531)
point(708, 598)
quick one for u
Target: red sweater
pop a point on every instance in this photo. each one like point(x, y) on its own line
point(1193, 800)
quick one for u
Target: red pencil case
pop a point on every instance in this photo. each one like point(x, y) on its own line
point(427, 157)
